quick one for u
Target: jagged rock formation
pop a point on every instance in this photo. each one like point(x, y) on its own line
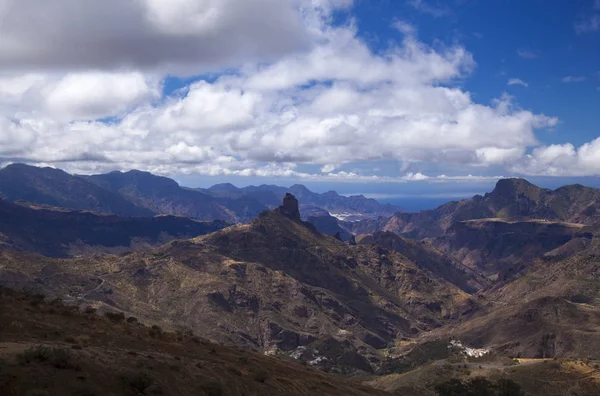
point(290, 208)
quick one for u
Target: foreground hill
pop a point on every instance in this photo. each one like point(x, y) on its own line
point(274, 284)
point(523, 377)
point(58, 232)
point(49, 349)
point(510, 199)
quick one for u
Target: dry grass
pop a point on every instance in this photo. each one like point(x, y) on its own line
point(122, 358)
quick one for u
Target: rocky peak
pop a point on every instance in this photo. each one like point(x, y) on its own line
point(289, 208)
point(513, 187)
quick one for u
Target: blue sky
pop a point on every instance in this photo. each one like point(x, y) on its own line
point(390, 98)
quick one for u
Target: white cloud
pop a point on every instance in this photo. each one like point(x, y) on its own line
point(528, 54)
point(573, 79)
point(316, 95)
point(328, 168)
point(97, 94)
point(517, 81)
point(563, 160)
point(184, 36)
point(404, 27)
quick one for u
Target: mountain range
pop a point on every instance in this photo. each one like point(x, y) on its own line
point(138, 194)
point(511, 199)
point(274, 284)
point(513, 273)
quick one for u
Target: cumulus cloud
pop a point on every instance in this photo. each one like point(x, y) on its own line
point(187, 36)
point(94, 95)
point(563, 160)
point(517, 81)
point(304, 92)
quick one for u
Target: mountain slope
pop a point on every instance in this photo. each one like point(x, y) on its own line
point(58, 232)
point(500, 248)
point(552, 310)
point(428, 258)
point(47, 348)
point(510, 199)
point(57, 188)
point(165, 196)
point(275, 284)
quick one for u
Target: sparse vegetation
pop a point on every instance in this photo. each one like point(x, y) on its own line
point(139, 381)
point(479, 386)
point(116, 317)
point(58, 357)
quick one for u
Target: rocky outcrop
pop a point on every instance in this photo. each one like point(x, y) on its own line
point(290, 208)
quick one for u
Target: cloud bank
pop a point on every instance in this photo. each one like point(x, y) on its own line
point(278, 91)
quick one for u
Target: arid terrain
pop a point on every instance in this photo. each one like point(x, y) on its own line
point(515, 278)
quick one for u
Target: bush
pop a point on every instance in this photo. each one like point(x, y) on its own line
point(132, 319)
point(60, 358)
point(115, 317)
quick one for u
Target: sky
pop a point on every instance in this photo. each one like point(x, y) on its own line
point(389, 98)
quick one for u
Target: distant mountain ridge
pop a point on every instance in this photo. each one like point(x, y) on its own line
point(342, 207)
point(136, 193)
point(510, 199)
point(58, 232)
point(55, 187)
